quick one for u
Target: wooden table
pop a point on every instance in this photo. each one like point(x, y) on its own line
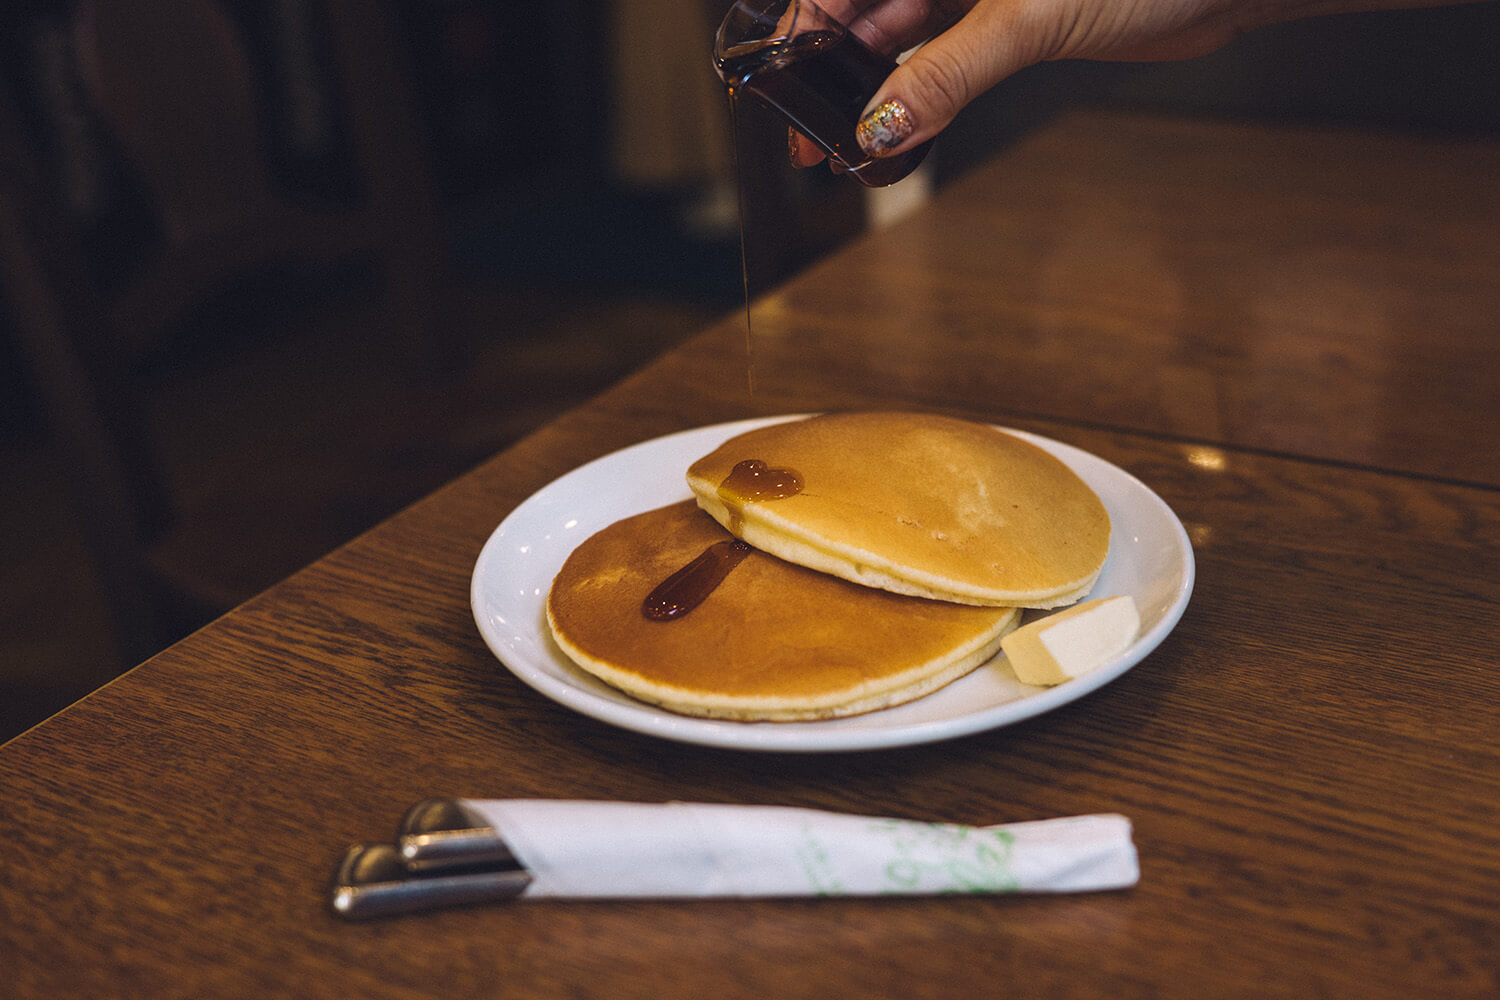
point(1292, 336)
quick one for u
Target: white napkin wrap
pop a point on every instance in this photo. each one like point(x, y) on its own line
point(679, 850)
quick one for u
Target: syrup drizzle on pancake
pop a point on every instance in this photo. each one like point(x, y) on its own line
point(687, 588)
point(751, 481)
point(748, 482)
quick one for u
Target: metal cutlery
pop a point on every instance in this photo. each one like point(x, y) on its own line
point(444, 855)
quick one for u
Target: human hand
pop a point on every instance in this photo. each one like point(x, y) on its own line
point(991, 39)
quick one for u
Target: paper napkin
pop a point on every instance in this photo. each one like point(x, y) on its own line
point(619, 849)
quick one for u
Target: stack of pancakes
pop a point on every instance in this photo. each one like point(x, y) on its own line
point(888, 554)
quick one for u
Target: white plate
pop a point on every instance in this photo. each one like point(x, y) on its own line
point(1150, 558)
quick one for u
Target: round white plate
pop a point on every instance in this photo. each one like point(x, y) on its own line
point(1150, 559)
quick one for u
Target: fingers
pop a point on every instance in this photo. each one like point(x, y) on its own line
point(890, 27)
point(994, 39)
point(927, 91)
point(801, 150)
point(924, 94)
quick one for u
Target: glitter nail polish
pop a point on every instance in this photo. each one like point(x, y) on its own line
point(884, 128)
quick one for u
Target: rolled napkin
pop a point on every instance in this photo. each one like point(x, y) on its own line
point(684, 850)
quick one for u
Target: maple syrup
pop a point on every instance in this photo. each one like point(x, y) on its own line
point(687, 588)
point(820, 81)
point(805, 65)
point(749, 481)
point(752, 481)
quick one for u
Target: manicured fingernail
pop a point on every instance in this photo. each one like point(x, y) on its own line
point(884, 128)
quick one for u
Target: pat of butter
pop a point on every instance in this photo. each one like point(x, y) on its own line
point(1072, 642)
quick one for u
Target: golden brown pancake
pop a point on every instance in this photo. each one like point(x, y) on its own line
point(772, 641)
point(916, 504)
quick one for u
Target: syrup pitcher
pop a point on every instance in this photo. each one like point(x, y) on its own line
point(803, 60)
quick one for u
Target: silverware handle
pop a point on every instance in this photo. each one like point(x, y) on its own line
point(439, 834)
point(372, 881)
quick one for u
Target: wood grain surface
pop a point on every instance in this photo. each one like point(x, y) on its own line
point(1287, 335)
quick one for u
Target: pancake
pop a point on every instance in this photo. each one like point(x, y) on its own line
point(772, 641)
point(912, 503)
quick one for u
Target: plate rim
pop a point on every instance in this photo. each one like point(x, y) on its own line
point(795, 737)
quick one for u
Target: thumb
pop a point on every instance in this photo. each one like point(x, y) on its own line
point(926, 92)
